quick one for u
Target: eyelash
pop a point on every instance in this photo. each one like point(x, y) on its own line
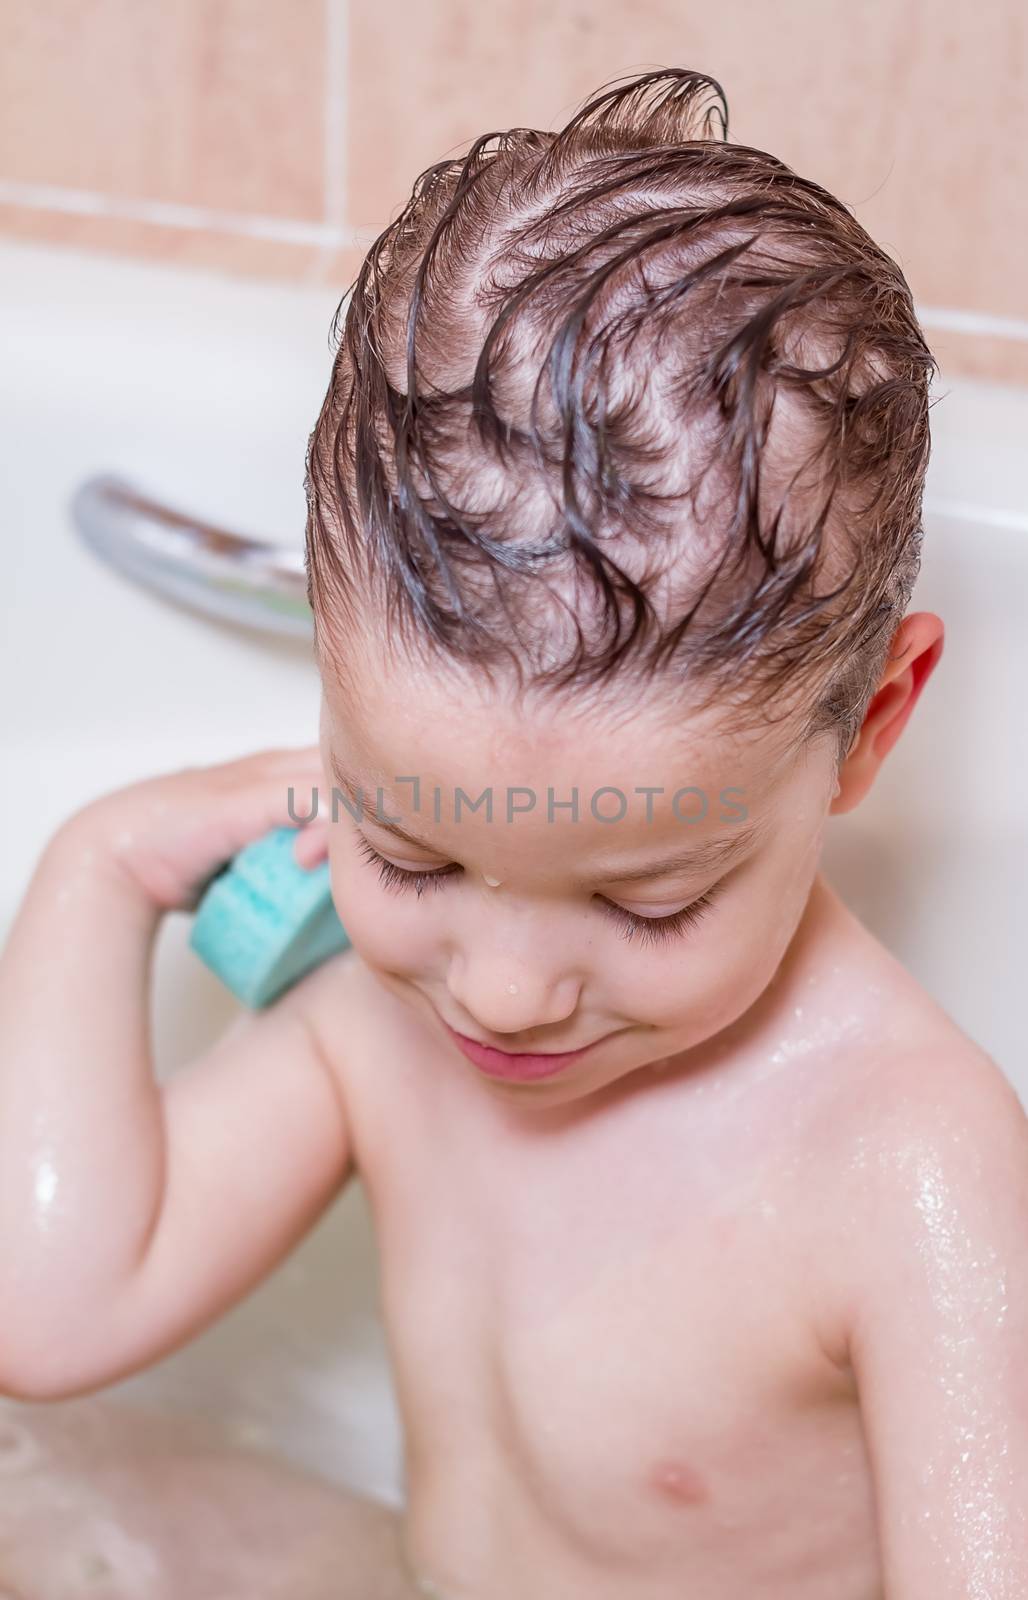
point(654, 930)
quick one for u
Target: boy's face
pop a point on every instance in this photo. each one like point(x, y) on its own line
point(553, 954)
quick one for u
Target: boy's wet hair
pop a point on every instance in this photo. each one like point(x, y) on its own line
point(548, 435)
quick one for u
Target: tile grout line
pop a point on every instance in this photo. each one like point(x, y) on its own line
point(332, 232)
point(336, 85)
point(165, 214)
point(953, 320)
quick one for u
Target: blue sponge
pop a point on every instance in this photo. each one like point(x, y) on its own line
point(264, 920)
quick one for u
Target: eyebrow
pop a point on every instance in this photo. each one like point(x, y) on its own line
point(695, 858)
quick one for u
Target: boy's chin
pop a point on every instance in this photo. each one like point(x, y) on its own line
point(579, 1085)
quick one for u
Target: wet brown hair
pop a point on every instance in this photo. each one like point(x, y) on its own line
point(573, 342)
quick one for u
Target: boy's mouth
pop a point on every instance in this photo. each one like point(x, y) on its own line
point(521, 1065)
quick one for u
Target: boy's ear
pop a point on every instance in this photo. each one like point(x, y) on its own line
point(915, 649)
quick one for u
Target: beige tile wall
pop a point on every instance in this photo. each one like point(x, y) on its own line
point(276, 137)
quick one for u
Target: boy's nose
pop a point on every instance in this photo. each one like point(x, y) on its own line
point(506, 997)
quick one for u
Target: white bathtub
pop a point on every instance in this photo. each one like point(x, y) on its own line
point(204, 390)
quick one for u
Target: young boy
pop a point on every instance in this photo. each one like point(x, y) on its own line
point(703, 1229)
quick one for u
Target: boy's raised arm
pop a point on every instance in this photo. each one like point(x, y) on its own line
point(939, 1345)
point(132, 1213)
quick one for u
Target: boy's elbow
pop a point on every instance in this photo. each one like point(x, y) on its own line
point(60, 1353)
point(53, 1364)
point(25, 1389)
point(29, 1375)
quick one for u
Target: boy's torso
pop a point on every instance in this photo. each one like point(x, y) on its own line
point(615, 1373)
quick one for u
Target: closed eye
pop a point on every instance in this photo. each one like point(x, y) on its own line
point(395, 877)
point(652, 930)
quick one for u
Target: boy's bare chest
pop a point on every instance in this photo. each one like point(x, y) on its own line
point(601, 1355)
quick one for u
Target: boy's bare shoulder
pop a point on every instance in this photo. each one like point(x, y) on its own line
point(332, 1002)
point(353, 1020)
point(925, 1135)
point(941, 1090)
point(908, 1069)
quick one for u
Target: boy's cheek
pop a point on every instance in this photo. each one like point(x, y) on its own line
point(722, 971)
point(704, 990)
point(383, 927)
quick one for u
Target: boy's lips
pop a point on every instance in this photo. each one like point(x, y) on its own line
point(521, 1065)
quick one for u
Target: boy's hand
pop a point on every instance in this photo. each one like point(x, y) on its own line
point(132, 1212)
point(171, 834)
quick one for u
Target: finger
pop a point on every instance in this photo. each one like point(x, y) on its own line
point(310, 846)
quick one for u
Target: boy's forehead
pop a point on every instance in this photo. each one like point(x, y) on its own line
point(403, 722)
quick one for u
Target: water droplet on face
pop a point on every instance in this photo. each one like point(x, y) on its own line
point(676, 1481)
point(494, 883)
